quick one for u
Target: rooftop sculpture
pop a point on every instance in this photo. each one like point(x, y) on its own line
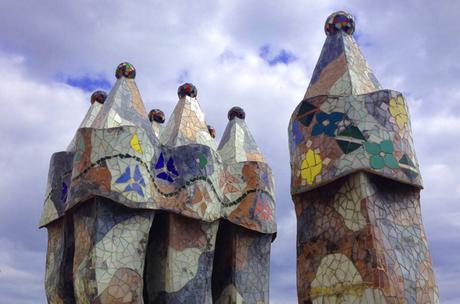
point(355, 185)
point(139, 211)
point(143, 211)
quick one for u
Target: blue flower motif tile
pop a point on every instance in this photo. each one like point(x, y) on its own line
point(135, 182)
point(326, 123)
point(167, 173)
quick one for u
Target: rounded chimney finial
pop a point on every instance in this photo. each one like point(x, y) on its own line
point(99, 96)
point(125, 69)
point(157, 115)
point(339, 21)
point(187, 89)
point(236, 112)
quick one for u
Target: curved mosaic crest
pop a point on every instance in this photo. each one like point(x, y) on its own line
point(333, 136)
point(116, 154)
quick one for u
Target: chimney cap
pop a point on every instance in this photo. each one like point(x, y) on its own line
point(339, 21)
point(125, 69)
point(157, 115)
point(236, 112)
point(99, 96)
point(187, 89)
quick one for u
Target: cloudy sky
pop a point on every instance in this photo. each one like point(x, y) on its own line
point(256, 54)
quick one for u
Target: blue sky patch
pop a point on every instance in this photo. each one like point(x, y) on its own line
point(88, 83)
point(283, 56)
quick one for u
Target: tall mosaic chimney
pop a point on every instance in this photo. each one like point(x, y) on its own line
point(356, 185)
point(138, 211)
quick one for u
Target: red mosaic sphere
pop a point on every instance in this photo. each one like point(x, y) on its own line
point(125, 69)
point(187, 89)
point(157, 115)
point(339, 21)
point(236, 112)
point(99, 96)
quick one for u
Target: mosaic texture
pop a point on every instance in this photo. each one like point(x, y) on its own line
point(339, 21)
point(120, 157)
point(97, 99)
point(241, 265)
point(58, 276)
point(125, 69)
point(355, 184)
point(242, 257)
point(180, 269)
point(134, 205)
point(242, 158)
point(110, 247)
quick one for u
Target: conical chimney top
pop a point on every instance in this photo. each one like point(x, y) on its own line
point(237, 143)
point(124, 105)
point(187, 124)
point(97, 100)
point(341, 69)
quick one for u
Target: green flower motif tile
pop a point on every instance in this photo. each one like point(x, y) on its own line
point(377, 162)
point(390, 161)
point(381, 154)
point(372, 148)
point(386, 146)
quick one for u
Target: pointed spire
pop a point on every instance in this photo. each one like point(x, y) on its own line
point(124, 106)
point(186, 124)
point(341, 68)
point(237, 144)
point(157, 118)
point(97, 100)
